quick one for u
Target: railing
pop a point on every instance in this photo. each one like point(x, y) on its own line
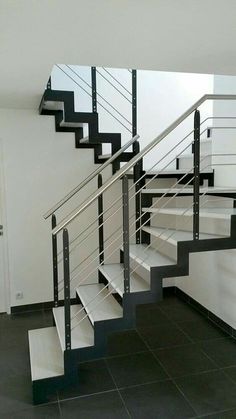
point(71, 73)
point(90, 89)
point(104, 232)
point(93, 175)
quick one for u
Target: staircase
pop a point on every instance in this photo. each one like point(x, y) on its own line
point(142, 236)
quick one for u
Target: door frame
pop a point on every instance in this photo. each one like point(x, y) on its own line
point(4, 238)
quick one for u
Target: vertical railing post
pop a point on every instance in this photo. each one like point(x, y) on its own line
point(137, 176)
point(125, 196)
point(100, 223)
point(196, 172)
point(67, 313)
point(134, 102)
point(49, 83)
point(94, 88)
point(54, 262)
point(136, 150)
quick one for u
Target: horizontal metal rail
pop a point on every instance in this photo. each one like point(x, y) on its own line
point(90, 177)
point(136, 158)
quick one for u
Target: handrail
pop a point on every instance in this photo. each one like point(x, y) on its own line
point(90, 177)
point(136, 158)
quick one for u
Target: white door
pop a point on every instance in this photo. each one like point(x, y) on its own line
point(4, 304)
point(2, 278)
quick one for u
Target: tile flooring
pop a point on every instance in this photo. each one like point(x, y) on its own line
point(174, 365)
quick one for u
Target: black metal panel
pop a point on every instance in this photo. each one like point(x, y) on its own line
point(66, 268)
point(125, 197)
point(196, 171)
point(54, 262)
point(49, 83)
point(94, 88)
point(134, 102)
point(100, 229)
point(137, 176)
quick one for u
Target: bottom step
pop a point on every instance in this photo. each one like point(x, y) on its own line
point(46, 356)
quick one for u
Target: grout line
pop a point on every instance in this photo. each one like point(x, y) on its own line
point(178, 327)
point(173, 381)
point(120, 395)
point(83, 396)
point(206, 415)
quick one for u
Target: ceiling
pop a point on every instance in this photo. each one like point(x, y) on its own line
point(185, 35)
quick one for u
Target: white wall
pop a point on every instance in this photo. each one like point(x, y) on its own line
point(212, 275)
point(224, 140)
point(162, 35)
point(40, 167)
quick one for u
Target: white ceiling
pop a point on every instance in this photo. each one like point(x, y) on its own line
point(174, 35)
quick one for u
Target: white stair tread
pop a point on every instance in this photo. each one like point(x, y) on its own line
point(71, 124)
point(104, 156)
point(99, 307)
point(114, 273)
point(53, 106)
point(82, 334)
point(46, 356)
point(188, 189)
point(84, 140)
point(148, 257)
point(222, 213)
point(173, 236)
point(175, 172)
point(190, 156)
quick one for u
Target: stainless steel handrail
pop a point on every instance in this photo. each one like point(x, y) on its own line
point(136, 158)
point(90, 177)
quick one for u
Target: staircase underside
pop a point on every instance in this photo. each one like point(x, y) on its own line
point(105, 307)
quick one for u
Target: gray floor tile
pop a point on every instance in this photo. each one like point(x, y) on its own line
point(100, 406)
point(184, 360)
point(202, 329)
point(156, 401)
point(163, 337)
point(134, 369)
point(208, 392)
point(222, 351)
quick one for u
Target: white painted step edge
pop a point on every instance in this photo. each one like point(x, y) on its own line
point(217, 213)
point(46, 356)
point(98, 304)
point(148, 257)
point(174, 236)
point(82, 333)
point(114, 274)
point(104, 156)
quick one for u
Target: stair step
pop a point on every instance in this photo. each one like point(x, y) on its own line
point(175, 172)
point(186, 161)
point(99, 307)
point(46, 356)
point(82, 335)
point(173, 236)
point(104, 156)
point(84, 140)
point(189, 190)
point(219, 213)
point(148, 257)
point(53, 105)
point(114, 274)
point(71, 124)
